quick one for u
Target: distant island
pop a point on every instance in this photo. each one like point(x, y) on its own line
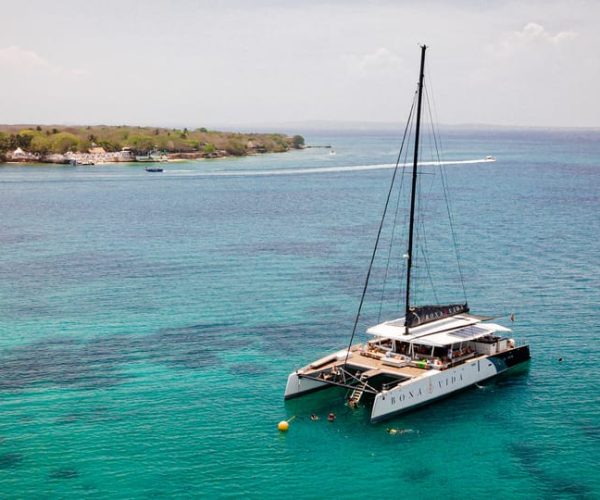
point(104, 144)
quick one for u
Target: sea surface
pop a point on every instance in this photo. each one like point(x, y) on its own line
point(148, 323)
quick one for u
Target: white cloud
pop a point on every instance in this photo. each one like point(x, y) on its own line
point(380, 61)
point(16, 58)
point(533, 33)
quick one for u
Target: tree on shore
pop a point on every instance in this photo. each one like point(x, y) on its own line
point(63, 142)
point(235, 148)
point(142, 143)
point(41, 144)
point(298, 141)
point(23, 138)
point(4, 145)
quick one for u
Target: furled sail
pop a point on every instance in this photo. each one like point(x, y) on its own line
point(425, 314)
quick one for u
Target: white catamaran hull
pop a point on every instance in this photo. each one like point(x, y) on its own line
point(434, 385)
point(431, 386)
point(298, 386)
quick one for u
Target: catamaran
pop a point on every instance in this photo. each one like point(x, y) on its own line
point(432, 352)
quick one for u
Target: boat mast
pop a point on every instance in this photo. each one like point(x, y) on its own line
point(414, 187)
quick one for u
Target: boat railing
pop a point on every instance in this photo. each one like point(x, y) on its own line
point(459, 359)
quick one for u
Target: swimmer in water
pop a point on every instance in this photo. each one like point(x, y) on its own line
point(392, 431)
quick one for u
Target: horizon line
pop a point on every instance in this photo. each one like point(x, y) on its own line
point(354, 125)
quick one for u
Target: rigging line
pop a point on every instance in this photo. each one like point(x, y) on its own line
point(404, 235)
point(447, 199)
point(387, 201)
point(401, 267)
point(424, 251)
point(421, 230)
point(394, 223)
point(433, 105)
point(443, 175)
point(453, 230)
point(420, 211)
point(402, 264)
point(422, 235)
point(425, 203)
point(416, 281)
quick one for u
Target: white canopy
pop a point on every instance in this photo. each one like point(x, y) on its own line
point(459, 328)
point(473, 332)
point(395, 328)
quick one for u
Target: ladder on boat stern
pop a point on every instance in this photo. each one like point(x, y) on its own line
point(356, 395)
point(359, 390)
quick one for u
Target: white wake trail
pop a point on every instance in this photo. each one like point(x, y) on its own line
point(324, 170)
point(96, 173)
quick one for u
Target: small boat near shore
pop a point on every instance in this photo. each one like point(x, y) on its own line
point(154, 169)
point(432, 352)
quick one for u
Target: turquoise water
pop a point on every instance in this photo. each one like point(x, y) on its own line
point(148, 323)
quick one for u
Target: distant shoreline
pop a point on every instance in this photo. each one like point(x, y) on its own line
point(90, 145)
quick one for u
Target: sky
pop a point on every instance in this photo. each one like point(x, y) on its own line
point(262, 62)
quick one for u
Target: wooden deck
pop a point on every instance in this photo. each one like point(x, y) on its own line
point(374, 366)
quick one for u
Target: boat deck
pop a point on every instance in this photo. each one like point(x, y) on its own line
point(366, 363)
point(370, 364)
point(362, 361)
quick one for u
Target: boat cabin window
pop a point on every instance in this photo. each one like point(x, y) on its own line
point(381, 344)
point(401, 347)
point(422, 351)
point(460, 350)
point(440, 352)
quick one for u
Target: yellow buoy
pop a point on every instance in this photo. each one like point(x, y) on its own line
point(283, 426)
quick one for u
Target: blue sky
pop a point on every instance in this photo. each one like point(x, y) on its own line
point(194, 63)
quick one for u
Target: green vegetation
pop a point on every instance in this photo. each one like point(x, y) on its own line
point(43, 140)
point(298, 141)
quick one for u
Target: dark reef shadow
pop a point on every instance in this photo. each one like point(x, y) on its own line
point(96, 363)
point(10, 460)
point(530, 456)
point(248, 369)
point(64, 473)
point(419, 474)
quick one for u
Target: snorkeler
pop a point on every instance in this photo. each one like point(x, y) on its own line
point(391, 430)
